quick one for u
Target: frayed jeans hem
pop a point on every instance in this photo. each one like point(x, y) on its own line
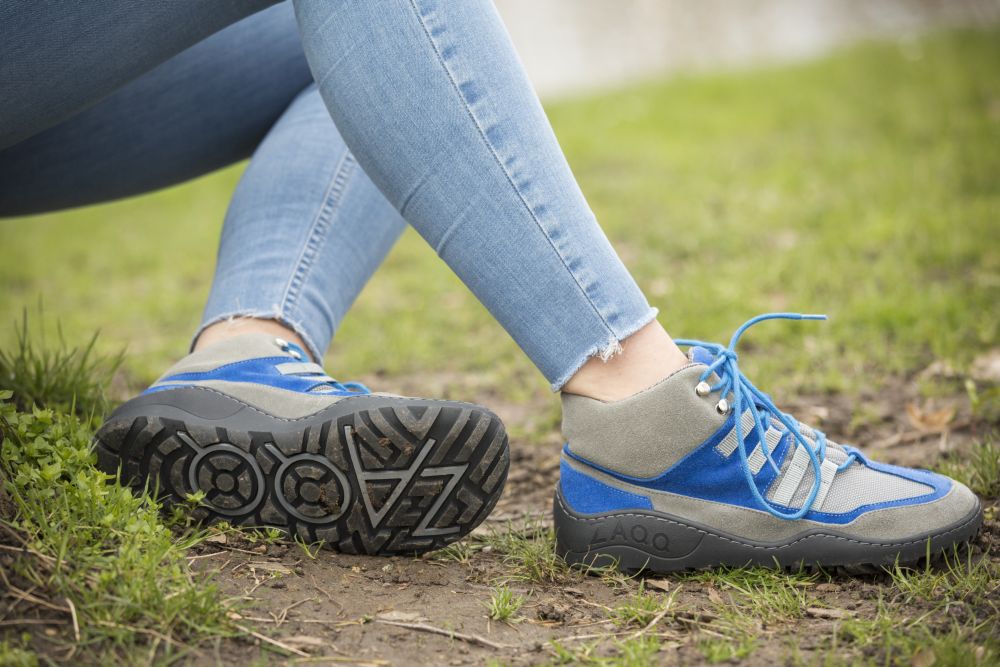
point(275, 316)
point(606, 350)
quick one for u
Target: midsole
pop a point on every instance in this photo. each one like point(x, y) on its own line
point(210, 405)
point(671, 542)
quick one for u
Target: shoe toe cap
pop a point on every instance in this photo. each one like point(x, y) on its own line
point(952, 511)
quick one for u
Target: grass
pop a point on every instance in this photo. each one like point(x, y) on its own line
point(970, 579)
point(979, 470)
point(632, 652)
point(42, 373)
point(529, 553)
point(93, 552)
point(763, 594)
point(746, 604)
point(863, 185)
point(896, 637)
point(504, 604)
point(642, 608)
point(724, 649)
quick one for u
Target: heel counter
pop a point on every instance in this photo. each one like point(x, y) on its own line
point(587, 495)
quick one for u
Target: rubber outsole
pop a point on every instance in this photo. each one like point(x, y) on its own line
point(644, 540)
point(370, 474)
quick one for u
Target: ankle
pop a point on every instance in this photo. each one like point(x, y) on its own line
point(647, 357)
point(230, 328)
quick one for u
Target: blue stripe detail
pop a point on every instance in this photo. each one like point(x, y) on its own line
point(262, 370)
point(705, 473)
point(587, 495)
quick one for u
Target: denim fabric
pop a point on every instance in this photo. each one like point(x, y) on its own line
point(434, 122)
point(209, 106)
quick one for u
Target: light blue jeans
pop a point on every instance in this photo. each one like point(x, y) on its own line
point(360, 117)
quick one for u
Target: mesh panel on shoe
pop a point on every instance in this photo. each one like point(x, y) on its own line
point(857, 485)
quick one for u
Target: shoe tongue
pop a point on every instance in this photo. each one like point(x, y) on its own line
point(700, 355)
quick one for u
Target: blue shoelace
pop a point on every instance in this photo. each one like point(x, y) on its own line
point(746, 397)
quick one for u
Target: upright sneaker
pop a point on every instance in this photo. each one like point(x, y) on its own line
point(703, 470)
point(273, 441)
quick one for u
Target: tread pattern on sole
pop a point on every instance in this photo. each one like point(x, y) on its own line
point(404, 478)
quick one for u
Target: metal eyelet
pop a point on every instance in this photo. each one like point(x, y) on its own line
point(722, 406)
point(703, 389)
point(287, 347)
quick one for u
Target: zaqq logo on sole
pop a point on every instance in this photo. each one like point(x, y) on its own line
point(633, 534)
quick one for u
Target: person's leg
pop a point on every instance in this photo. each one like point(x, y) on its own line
point(205, 108)
point(57, 59)
point(304, 232)
point(432, 99)
point(267, 435)
point(247, 419)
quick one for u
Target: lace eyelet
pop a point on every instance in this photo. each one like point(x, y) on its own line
point(287, 347)
point(722, 407)
point(703, 389)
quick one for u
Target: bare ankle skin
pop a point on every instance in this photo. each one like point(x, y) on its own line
point(648, 356)
point(244, 325)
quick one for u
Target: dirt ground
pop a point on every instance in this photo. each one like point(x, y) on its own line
point(329, 608)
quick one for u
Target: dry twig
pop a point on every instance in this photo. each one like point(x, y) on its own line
point(422, 627)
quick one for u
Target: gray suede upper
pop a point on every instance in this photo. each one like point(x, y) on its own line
point(645, 434)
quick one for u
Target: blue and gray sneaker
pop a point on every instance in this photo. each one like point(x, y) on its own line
point(273, 441)
point(703, 470)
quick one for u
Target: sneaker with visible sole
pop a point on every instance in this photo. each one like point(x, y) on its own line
point(702, 470)
point(273, 441)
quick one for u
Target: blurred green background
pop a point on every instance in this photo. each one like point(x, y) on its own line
point(865, 184)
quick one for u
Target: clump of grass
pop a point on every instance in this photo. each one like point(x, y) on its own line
point(94, 550)
point(980, 470)
point(642, 608)
point(748, 599)
point(12, 655)
point(529, 553)
point(457, 552)
point(634, 651)
point(958, 576)
point(763, 594)
point(581, 654)
point(984, 401)
point(504, 603)
point(56, 376)
point(894, 636)
point(725, 649)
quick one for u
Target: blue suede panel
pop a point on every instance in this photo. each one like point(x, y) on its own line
point(258, 371)
point(590, 496)
point(707, 474)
